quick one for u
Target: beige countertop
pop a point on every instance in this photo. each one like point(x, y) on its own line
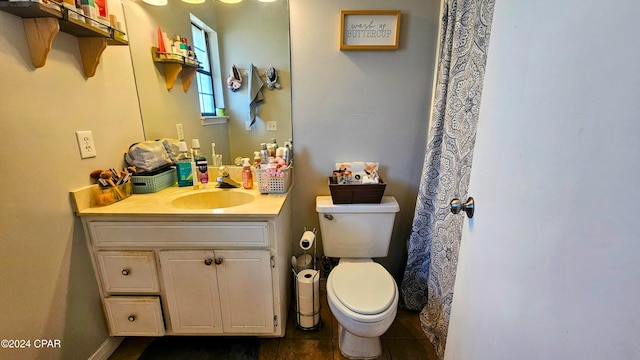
point(160, 203)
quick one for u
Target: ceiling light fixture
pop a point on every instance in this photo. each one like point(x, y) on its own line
point(194, 1)
point(230, 1)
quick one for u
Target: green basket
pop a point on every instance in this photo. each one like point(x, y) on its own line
point(143, 184)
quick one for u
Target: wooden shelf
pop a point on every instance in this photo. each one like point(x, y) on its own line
point(174, 65)
point(43, 21)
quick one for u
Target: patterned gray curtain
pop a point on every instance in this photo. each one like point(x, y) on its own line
point(435, 238)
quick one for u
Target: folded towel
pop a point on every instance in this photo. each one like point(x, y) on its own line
point(255, 93)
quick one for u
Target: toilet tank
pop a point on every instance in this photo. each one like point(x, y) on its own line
point(356, 230)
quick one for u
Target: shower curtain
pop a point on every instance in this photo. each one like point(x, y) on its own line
point(435, 237)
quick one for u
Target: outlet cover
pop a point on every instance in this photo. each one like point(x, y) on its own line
point(272, 126)
point(86, 145)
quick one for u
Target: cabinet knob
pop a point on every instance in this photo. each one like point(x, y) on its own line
point(132, 318)
point(218, 261)
point(209, 261)
point(125, 272)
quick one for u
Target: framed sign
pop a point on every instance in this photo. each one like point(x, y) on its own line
point(369, 29)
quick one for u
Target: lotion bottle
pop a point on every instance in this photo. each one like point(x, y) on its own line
point(201, 163)
point(247, 175)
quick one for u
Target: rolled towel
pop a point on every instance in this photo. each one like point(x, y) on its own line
point(272, 78)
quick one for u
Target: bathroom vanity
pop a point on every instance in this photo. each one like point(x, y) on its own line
point(191, 262)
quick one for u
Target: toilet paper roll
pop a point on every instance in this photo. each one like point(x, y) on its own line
point(307, 239)
point(309, 321)
point(308, 282)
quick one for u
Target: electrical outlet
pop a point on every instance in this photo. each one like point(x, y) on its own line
point(272, 126)
point(180, 131)
point(86, 144)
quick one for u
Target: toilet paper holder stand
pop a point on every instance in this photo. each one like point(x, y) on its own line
point(308, 318)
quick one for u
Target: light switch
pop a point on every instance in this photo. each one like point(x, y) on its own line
point(272, 126)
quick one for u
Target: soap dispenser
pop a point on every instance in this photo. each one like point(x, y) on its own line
point(247, 175)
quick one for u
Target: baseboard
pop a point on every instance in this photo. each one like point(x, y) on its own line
point(107, 348)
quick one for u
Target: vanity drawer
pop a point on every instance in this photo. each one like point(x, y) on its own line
point(128, 271)
point(134, 316)
point(173, 234)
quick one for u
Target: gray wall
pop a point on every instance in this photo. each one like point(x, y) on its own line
point(361, 105)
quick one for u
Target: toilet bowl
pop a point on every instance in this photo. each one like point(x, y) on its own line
point(363, 297)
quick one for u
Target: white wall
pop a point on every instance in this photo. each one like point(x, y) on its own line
point(47, 283)
point(548, 267)
point(361, 105)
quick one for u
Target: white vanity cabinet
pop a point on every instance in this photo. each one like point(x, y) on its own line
point(191, 273)
point(221, 291)
point(164, 270)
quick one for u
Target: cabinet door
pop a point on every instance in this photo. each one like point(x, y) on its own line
point(246, 292)
point(191, 289)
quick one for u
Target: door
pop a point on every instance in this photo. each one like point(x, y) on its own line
point(246, 291)
point(549, 266)
point(191, 290)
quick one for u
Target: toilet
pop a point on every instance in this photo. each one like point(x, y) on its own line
point(362, 295)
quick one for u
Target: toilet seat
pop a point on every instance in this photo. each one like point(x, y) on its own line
point(364, 289)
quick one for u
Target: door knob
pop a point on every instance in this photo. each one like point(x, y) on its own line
point(468, 206)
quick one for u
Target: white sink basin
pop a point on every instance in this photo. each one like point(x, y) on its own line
point(212, 200)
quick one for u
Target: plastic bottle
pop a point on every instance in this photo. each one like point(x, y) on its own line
point(183, 166)
point(264, 154)
point(194, 171)
point(286, 156)
point(247, 175)
point(201, 163)
point(214, 163)
point(257, 160)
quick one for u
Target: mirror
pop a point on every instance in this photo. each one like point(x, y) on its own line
point(247, 32)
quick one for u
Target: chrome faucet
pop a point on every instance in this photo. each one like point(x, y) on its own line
point(224, 180)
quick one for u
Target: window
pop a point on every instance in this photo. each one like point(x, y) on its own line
point(204, 76)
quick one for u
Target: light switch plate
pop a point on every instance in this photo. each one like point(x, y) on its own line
point(86, 144)
point(180, 131)
point(272, 126)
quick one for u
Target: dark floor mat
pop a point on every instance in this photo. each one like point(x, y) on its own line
point(202, 348)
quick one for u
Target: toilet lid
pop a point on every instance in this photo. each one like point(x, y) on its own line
point(364, 288)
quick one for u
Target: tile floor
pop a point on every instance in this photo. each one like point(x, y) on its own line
point(404, 340)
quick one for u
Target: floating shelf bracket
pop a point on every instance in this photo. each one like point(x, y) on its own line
point(90, 51)
point(40, 34)
point(174, 65)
